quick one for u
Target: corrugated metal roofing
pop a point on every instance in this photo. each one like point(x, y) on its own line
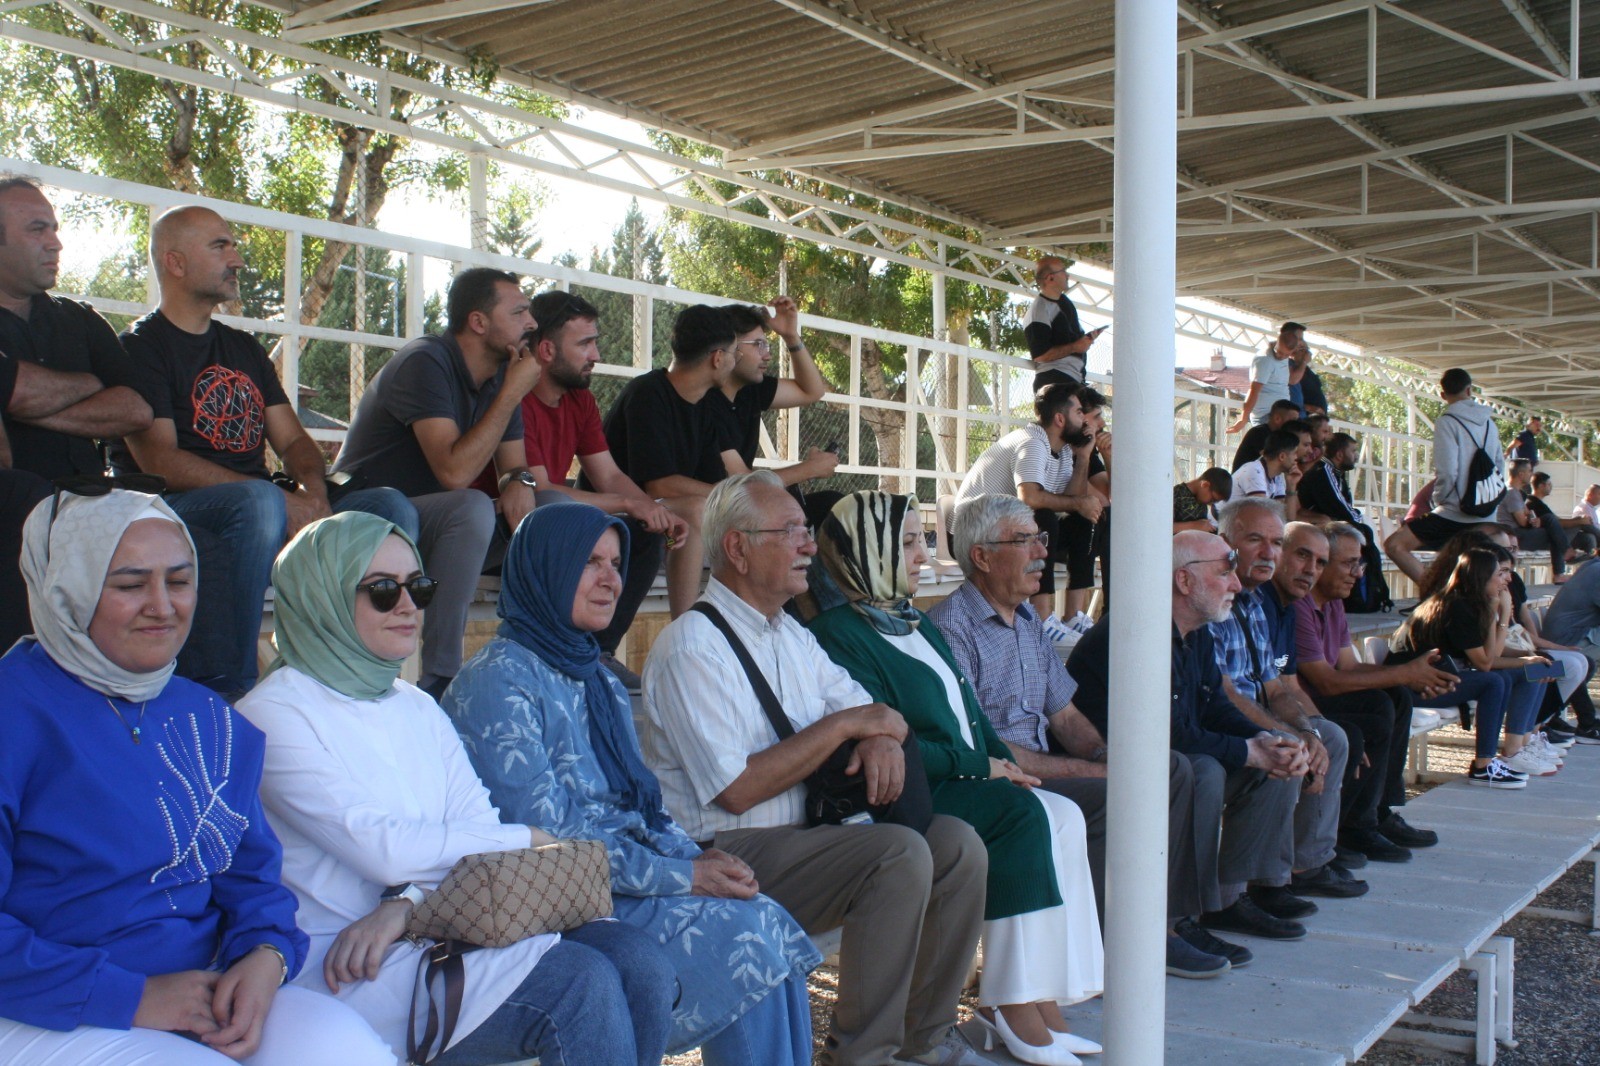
point(799, 81)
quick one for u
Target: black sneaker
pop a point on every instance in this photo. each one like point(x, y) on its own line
point(1374, 845)
point(1186, 960)
point(1496, 775)
point(1349, 858)
point(1328, 880)
point(630, 680)
point(1279, 902)
point(1590, 735)
point(1398, 831)
point(1245, 917)
point(1199, 937)
point(1558, 732)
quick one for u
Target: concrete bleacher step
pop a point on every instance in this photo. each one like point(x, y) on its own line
point(1369, 962)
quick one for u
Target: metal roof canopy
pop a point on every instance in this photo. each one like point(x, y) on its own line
point(1417, 177)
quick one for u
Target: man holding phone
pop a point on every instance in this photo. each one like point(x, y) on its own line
point(440, 411)
point(1056, 340)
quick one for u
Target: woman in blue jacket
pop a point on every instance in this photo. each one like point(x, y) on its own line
point(143, 918)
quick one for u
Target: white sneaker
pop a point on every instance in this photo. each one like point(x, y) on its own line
point(1528, 762)
point(1540, 745)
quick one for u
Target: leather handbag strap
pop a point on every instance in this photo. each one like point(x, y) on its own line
point(758, 681)
point(444, 960)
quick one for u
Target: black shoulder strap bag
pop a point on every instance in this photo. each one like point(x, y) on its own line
point(833, 796)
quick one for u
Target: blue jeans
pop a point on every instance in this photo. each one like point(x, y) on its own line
point(601, 997)
point(1504, 697)
point(775, 1032)
point(238, 528)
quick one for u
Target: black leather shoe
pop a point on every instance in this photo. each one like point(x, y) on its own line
point(1245, 917)
point(1350, 860)
point(1198, 936)
point(1374, 845)
point(1328, 880)
point(1279, 902)
point(1396, 829)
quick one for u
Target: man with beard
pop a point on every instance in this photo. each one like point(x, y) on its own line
point(1372, 704)
point(1046, 465)
point(1247, 778)
point(217, 404)
point(1325, 497)
point(560, 423)
point(737, 406)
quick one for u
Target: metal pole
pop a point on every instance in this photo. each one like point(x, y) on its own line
point(1145, 272)
point(478, 200)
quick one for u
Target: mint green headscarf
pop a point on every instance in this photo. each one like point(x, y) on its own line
point(314, 598)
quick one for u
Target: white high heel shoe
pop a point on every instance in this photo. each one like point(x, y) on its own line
point(1076, 1044)
point(1051, 1054)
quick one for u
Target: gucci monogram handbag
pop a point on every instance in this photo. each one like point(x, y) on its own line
point(491, 901)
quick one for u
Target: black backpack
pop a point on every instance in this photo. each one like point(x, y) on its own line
point(1485, 483)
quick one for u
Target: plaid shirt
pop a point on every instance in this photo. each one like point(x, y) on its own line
point(1246, 657)
point(1014, 669)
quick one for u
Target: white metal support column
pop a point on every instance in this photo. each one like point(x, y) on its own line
point(1146, 280)
point(478, 199)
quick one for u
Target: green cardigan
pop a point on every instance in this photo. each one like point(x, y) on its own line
point(1011, 822)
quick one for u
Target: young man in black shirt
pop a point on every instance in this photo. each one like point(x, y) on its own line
point(737, 407)
point(217, 404)
point(1056, 340)
point(663, 437)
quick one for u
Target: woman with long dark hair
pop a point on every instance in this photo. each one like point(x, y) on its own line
point(1467, 620)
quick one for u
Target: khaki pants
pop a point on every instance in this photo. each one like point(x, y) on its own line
point(912, 910)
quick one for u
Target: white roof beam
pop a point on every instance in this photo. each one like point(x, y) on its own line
point(1530, 277)
point(321, 30)
point(1554, 208)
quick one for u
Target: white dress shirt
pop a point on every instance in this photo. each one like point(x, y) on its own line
point(703, 721)
point(365, 794)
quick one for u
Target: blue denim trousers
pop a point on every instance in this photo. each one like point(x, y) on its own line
point(1504, 697)
point(601, 997)
point(238, 529)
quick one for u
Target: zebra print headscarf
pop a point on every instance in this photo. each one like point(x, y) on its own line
point(860, 546)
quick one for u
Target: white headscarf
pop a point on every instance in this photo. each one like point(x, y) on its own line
point(64, 563)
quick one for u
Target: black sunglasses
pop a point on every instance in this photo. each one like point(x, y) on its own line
point(564, 310)
point(101, 485)
point(385, 592)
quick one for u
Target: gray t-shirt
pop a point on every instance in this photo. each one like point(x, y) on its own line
point(427, 378)
point(1576, 608)
point(1273, 374)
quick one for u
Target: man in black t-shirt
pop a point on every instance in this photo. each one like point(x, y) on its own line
point(58, 354)
point(1255, 438)
point(1056, 340)
point(663, 437)
point(736, 407)
point(217, 404)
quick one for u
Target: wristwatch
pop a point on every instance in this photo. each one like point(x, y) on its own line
point(407, 891)
point(524, 476)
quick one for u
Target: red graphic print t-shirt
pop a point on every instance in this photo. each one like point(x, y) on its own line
point(216, 387)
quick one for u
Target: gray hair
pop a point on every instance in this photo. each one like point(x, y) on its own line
point(1232, 513)
point(731, 506)
point(1342, 531)
point(978, 519)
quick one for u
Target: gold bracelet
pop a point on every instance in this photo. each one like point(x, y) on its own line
point(283, 962)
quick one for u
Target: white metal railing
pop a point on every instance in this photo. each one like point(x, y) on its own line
point(938, 405)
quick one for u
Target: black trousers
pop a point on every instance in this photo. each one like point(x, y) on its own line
point(1077, 542)
point(19, 492)
point(1377, 723)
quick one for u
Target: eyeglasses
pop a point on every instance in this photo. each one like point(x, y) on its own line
point(99, 485)
point(760, 344)
point(796, 535)
point(1232, 559)
point(385, 592)
point(1354, 566)
point(1041, 538)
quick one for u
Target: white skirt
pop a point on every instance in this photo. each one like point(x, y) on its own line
point(1055, 953)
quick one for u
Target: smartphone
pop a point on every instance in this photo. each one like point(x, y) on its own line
point(833, 446)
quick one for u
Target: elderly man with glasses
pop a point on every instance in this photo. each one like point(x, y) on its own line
point(1027, 693)
point(1247, 778)
point(911, 905)
point(1372, 704)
